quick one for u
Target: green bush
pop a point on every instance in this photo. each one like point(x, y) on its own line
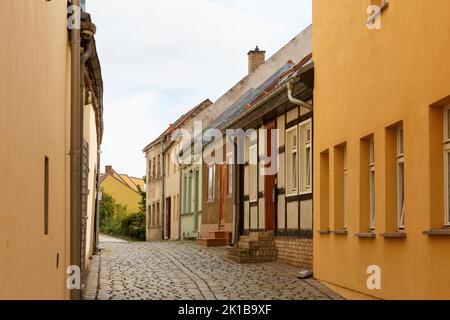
point(133, 226)
point(116, 220)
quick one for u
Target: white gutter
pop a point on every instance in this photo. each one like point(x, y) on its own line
point(294, 100)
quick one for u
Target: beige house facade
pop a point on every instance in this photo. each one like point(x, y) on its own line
point(46, 145)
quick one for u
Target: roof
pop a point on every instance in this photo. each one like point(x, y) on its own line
point(251, 95)
point(136, 184)
point(281, 80)
point(181, 121)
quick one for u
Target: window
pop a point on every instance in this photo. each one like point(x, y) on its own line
point(153, 216)
point(189, 198)
point(447, 163)
point(372, 183)
point(185, 193)
point(292, 161)
point(345, 188)
point(158, 212)
point(400, 179)
point(154, 168)
point(46, 194)
point(306, 157)
point(230, 174)
point(159, 166)
point(211, 182)
point(253, 172)
point(168, 165)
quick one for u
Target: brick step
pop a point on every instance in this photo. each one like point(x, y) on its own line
point(252, 252)
point(211, 242)
point(261, 236)
point(220, 234)
point(256, 244)
point(242, 260)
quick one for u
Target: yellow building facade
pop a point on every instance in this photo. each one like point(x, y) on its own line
point(381, 163)
point(124, 189)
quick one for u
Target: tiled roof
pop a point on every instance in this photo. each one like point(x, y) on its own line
point(281, 79)
point(185, 117)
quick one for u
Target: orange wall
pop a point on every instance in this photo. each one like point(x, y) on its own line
point(369, 80)
point(34, 123)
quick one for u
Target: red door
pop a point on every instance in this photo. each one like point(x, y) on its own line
point(222, 192)
point(269, 184)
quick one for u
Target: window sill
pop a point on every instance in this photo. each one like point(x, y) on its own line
point(366, 235)
point(341, 232)
point(437, 232)
point(324, 231)
point(394, 235)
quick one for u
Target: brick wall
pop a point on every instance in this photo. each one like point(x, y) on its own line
point(295, 251)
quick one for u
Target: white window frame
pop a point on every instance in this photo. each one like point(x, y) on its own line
point(305, 185)
point(230, 173)
point(446, 148)
point(253, 165)
point(212, 182)
point(345, 187)
point(289, 166)
point(372, 183)
point(400, 178)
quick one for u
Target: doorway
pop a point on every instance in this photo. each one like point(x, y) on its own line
point(169, 217)
point(270, 182)
point(223, 193)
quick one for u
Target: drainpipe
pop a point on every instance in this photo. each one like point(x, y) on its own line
point(294, 100)
point(75, 153)
point(163, 193)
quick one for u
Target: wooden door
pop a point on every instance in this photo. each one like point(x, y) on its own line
point(169, 218)
point(222, 192)
point(270, 184)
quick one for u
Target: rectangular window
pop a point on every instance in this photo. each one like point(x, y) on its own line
point(153, 215)
point(189, 200)
point(159, 166)
point(230, 174)
point(154, 168)
point(46, 193)
point(306, 157)
point(345, 188)
point(372, 183)
point(324, 195)
point(211, 182)
point(447, 164)
point(185, 193)
point(253, 172)
point(340, 192)
point(400, 179)
point(292, 163)
point(158, 212)
point(168, 165)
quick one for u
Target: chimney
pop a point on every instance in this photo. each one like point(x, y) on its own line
point(255, 59)
point(108, 169)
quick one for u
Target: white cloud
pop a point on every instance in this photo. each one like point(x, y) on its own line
point(162, 57)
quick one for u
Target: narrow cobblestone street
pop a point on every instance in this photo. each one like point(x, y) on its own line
point(186, 271)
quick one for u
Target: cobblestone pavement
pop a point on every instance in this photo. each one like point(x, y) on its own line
point(185, 271)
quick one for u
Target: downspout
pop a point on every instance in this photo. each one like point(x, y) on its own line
point(179, 200)
point(294, 100)
point(163, 193)
point(75, 152)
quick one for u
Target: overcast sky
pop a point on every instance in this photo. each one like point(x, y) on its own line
point(160, 58)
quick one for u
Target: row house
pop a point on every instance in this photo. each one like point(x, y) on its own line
point(163, 178)
point(381, 148)
point(241, 205)
point(51, 113)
